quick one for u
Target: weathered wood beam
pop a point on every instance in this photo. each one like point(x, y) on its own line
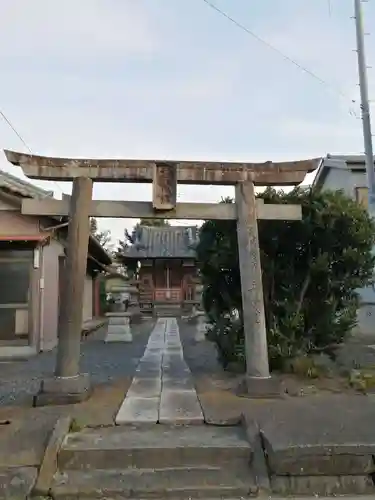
point(144, 209)
point(196, 172)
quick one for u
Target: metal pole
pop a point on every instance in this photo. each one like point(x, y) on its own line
point(365, 107)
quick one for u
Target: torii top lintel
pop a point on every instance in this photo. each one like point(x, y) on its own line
point(188, 172)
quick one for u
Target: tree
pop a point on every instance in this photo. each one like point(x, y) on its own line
point(311, 270)
point(103, 237)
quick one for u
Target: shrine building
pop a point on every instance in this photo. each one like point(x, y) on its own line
point(167, 271)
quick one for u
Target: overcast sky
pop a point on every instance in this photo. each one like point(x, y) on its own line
point(173, 79)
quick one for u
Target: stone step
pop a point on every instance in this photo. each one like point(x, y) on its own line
point(176, 483)
point(167, 313)
point(166, 303)
point(174, 308)
point(171, 307)
point(156, 446)
point(167, 310)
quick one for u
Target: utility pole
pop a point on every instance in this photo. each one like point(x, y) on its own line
point(365, 106)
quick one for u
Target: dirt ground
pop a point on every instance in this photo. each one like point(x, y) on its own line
point(24, 430)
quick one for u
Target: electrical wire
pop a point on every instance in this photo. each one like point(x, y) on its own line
point(15, 131)
point(306, 70)
point(9, 123)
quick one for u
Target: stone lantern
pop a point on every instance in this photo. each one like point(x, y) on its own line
point(119, 314)
point(200, 314)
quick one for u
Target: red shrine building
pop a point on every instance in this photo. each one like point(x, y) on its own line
point(166, 260)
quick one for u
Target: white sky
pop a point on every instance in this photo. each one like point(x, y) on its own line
point(173, 79)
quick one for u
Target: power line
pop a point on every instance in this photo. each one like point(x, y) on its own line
point(15, 131)
point(283, 55)
point(2, 114)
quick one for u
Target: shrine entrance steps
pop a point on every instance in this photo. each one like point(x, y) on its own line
point(162, 449)
point(158, 461)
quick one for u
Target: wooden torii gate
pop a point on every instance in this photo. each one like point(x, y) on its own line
point(69, 384)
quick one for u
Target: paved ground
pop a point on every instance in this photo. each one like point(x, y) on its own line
point(300, 421)
point(105, 362)
point(162, 389)
point(115, 362)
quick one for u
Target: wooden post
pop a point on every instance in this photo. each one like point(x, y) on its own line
point(70, 317)
point(257, 370)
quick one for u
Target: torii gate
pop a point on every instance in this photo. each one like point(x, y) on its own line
point(69, 384)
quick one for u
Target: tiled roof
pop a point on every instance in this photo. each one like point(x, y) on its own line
point(168, 242)
point(17, 186)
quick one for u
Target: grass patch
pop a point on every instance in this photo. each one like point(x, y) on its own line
point(305, 367)
point(76, 426)
point(362, 380)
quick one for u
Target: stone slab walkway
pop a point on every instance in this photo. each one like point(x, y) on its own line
point(162, 390)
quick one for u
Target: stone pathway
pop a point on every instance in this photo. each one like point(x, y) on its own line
point(162, 390)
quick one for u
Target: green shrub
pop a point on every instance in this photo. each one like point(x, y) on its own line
point(311, 272)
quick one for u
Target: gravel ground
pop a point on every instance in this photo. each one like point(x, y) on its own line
point(357, 353)
point(105, 362)
point(19, 380)
point(200, 356)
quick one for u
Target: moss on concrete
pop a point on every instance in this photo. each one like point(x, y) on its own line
point(362, 380)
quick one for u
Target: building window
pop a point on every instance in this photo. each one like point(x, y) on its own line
point(15, 278)
point(15, 281)
point(361, 196)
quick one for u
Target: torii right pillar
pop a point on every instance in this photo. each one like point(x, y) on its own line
point(258, 381)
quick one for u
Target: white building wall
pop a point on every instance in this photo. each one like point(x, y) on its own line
point(348, 181)
point(51, 291)
point(50, 294)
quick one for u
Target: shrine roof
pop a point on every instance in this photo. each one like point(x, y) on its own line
point(163, 242)
point(18, 187)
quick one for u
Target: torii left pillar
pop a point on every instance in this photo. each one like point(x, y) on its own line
point(69, 385)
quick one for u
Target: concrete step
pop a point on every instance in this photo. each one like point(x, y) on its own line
point(156, 446)
point(167, 313)
point(167, 310)
point(176, 483)
point(166, 303)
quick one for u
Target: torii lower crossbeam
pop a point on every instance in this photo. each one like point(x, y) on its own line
point(144, 210)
